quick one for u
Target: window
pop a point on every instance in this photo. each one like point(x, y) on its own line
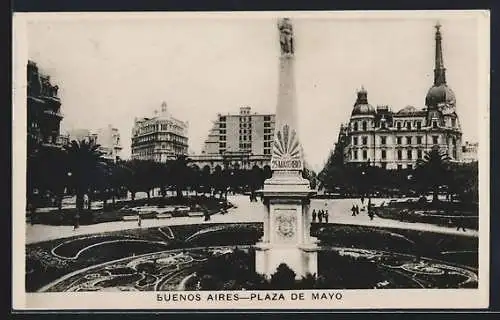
point(267, 144)
point(454, 152)
point(355, 154)
point(267, 124)
point(355, 126)
point(434, 124)
point(222, 119)
point(400, 166)
point(222, 131)
point(409, 166)
point(383, 140)
point(398, 139)
point(419, 140)
point(453, 123)
point(419, 154)
point(364, 125)
point(400, 155)
point(419, 125)
point(408, 140)
point(355, 141)
point(435, 139)
point(384, 154)
point(382, 124)
point(408, 154)
point(223, 138)
point(267, 118)
point(384, 165)
point(267, 130)
point(408, 125)
point(398, 125)
point(365, 141)
point(222, 125)
point(222, 145)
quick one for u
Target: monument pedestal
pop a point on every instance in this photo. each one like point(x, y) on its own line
point(286, 194)
point(287, 228)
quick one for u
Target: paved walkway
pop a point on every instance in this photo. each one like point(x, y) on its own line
point(245, 211)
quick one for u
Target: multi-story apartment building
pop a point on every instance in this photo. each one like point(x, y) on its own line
point(108, 139)
point(469, 152)
point(43, 111)
point(159, 138)
point(396, 140)
point(238, 141)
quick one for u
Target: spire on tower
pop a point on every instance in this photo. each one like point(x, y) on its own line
point(439, 69)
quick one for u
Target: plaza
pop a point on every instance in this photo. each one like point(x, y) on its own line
point(164, 221)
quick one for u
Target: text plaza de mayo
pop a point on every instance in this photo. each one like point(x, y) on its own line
point(385, 138)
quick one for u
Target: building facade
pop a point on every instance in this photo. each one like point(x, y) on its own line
point(396, 140)
point(469, 152)
point(238, 141)
point(43, 111)
point(159, 138)
point(108, 139)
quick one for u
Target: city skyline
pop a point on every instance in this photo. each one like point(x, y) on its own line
point(202, 67)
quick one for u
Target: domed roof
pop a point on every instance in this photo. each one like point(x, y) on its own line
point(438, 94)
point(362, 107)
point(407, 110)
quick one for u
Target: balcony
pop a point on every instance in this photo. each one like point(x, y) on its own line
point(53, 113)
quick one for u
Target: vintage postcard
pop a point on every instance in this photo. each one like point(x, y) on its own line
point(272, 160)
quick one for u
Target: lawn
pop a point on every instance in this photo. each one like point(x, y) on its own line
point(116, 212)
point(42, 267)
point(438, 213)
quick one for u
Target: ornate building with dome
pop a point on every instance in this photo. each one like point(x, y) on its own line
point(396, 140)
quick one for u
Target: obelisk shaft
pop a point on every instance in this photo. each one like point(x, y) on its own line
point(287, 153)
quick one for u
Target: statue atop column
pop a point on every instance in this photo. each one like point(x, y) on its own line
point(286, 36)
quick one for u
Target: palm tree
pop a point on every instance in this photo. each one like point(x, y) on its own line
point(84, 160)
point(432, 171)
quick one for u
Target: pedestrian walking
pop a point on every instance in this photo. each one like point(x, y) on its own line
point(314, 215)
point(76, 223)
point(357, 210)
point(139, 220)
point(320, 216)
point(371, 214)
point(326, 216)
point(353, 209)
point(362, 200)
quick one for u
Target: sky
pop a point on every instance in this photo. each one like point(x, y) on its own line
point(110, 71)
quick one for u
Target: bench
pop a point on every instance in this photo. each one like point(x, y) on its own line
point(196, 214)
point(130, 218)
point(163, 216)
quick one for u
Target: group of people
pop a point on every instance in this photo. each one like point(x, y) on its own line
point(355, 209)
point(320, 215)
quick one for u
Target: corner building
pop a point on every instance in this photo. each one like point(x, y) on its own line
point(159, 138)
point(43, 111)
point(396, 140)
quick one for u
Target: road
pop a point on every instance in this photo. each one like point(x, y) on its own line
point(245, 211)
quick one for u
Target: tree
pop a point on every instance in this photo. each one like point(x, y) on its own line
point(179, 173)
point(464, 181)
point(432, 171)
point(283, 278)
point(84, 160)
point(47, 172)
point(142, 176)
point(206, 180)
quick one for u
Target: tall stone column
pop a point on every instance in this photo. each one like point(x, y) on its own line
point(286, 194)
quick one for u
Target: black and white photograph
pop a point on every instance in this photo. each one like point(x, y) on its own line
point(251, 160)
